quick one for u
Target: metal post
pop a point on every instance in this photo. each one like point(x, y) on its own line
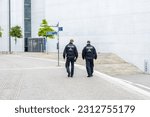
point(9, 25)
point(58, 42)
point(46, 45)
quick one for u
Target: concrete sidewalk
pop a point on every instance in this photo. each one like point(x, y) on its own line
point(24, 77)
point(107, 63)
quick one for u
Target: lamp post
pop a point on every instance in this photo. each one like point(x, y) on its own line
point(9, 25)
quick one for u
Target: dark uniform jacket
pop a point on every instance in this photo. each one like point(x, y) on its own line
point(89, 52)
point(70, 51)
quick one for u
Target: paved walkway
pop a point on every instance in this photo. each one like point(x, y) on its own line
point(24, 77)
point(107, 63)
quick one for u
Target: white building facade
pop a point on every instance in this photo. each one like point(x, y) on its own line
point(118, 26)
point(17, 18)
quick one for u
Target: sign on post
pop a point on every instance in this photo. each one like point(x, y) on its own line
point(60, 28)
point(51, 33)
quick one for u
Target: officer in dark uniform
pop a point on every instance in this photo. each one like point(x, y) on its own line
point(89, 53)
point(71, 55)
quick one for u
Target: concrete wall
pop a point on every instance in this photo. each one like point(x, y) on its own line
point(4, 24)
point(37, 14)
point(119, 26)
point(17, 18)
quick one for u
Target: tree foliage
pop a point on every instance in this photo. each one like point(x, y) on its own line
point(44, 28)
point(1, 32)
point(16, 32)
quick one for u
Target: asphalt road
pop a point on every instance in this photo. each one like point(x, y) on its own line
point(41, 79)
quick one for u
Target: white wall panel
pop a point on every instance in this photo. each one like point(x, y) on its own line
point(37, 14)
point(119, 26)
point(4, 25)
point(17, 18)
point(17, 13)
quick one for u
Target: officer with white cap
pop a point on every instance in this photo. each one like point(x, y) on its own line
point(71, 55)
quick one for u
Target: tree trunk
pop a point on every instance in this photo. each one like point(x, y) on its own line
point(15, 40)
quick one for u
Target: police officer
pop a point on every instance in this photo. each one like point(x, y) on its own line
point(71, 55)
point(89, 53)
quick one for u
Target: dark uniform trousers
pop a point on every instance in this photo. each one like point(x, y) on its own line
point(89, 66)
point(68, 62)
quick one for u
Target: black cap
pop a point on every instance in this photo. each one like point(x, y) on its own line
point(88, 42)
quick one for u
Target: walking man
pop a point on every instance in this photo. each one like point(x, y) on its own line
point(89, 53)
point(71, 55)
